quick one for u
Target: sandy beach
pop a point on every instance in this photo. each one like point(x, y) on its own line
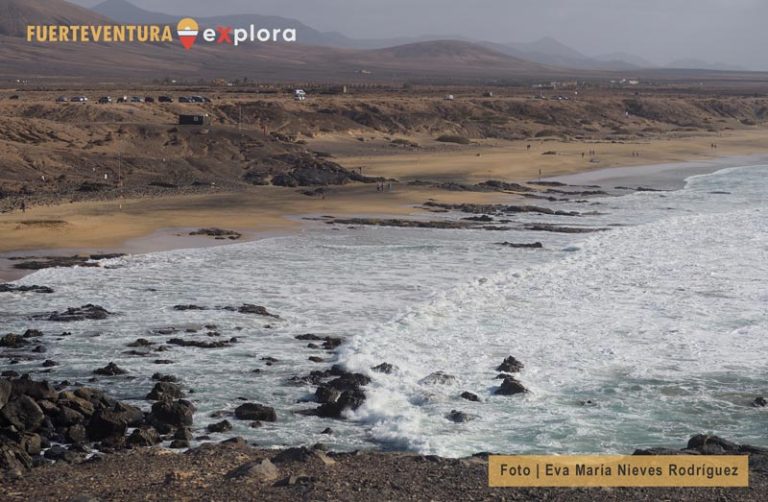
point(150, 224)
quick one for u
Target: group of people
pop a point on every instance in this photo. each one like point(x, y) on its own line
point(383, 186)
point(713, 146)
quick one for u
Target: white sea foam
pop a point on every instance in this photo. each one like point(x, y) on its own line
point(660, 323)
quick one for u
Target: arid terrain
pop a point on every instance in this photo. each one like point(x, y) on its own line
point(129, 169)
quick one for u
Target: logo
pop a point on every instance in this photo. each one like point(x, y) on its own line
point(187, 31)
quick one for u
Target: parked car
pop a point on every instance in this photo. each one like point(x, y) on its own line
point(62, 99)
point(122, 99)
point(299, 95)
point(105, 100)
point(185, 99)
point(149, 99)
point(79, 99)
point(136, 99)
point(165, 99)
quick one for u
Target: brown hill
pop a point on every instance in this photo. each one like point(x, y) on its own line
point(20, 59)
point(15, 15)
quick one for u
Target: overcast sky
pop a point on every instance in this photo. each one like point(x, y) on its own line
point(725, 31)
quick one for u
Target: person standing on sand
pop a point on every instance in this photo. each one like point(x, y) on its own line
point(23, 207)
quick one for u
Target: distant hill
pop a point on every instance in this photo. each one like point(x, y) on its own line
point(698, 64)
point(125, 12)
point(15, 15)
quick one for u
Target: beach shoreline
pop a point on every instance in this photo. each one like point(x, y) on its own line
point(143, 226)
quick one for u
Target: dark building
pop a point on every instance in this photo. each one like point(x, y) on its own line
point(193, 119)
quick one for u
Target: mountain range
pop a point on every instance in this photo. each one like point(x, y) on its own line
point(317, 57)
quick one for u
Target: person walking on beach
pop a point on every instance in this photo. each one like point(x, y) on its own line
point(23, 207)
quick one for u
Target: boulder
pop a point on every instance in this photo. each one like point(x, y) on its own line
point(179, 443)
point(173, 413)
point(23, 413)
point(385, 368)
point(12, 341)
point(143, 437)
point(510, 386)
point(5, 392)
point(470, 396)
point(458, 417)
point(222, 426)
point(510, 365)
point(110, 369)
point(263, 470)
point(759, 402)
point(438, 378)
point(86, 312)
point(165, 391)
point(253, 411)
point(711, 445)
point(112, 422)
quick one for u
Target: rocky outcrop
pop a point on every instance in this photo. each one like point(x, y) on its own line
point(510, 386)
point(253, 411)
point(10, 288)
point(87, 312)
point(217, 233)
point(510, 365)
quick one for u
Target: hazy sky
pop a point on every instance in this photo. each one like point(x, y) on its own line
point(726, 31)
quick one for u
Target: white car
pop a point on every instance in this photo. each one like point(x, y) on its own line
point(79, 99)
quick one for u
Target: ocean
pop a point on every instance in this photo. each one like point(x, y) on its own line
point(640, 335)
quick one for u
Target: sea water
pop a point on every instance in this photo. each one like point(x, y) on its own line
point(640, 335)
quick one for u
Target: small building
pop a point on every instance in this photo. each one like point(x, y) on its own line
point(197, 120)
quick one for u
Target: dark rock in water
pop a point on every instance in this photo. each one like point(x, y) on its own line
point(10, 288)
point(385, 368)
point(257, 310)
point(48, 363)
point(510, 386)
point(165, 391)
point(256, 424)
point(40, 349)
point(711, 445)
point(458, 417)
point(316, 359)
point(159, 377)
point(217, 233)
point(348, 400)
point(510, 365)
point(110, 369)
point(12, 341)
point(484, 218)
point(184, 308)
point(222, 426)
point(143, 437)
point(269, 359)
point(32, 333)
point(174, 413)
point(548, 227)
point(470, 396)
point(200, 344)
point(141, 342)
point(253, 411)
point(332, 342)
point(438, 378)
point(87, 312)
point(177, 444)
point(9, 374)
point(760, 402)
point(308, 337)
point(23, 413)
point(163, 361)
point(535, 245)
point(183, 433)
point(327, 430)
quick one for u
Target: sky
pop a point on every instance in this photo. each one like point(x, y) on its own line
point(662, 31)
